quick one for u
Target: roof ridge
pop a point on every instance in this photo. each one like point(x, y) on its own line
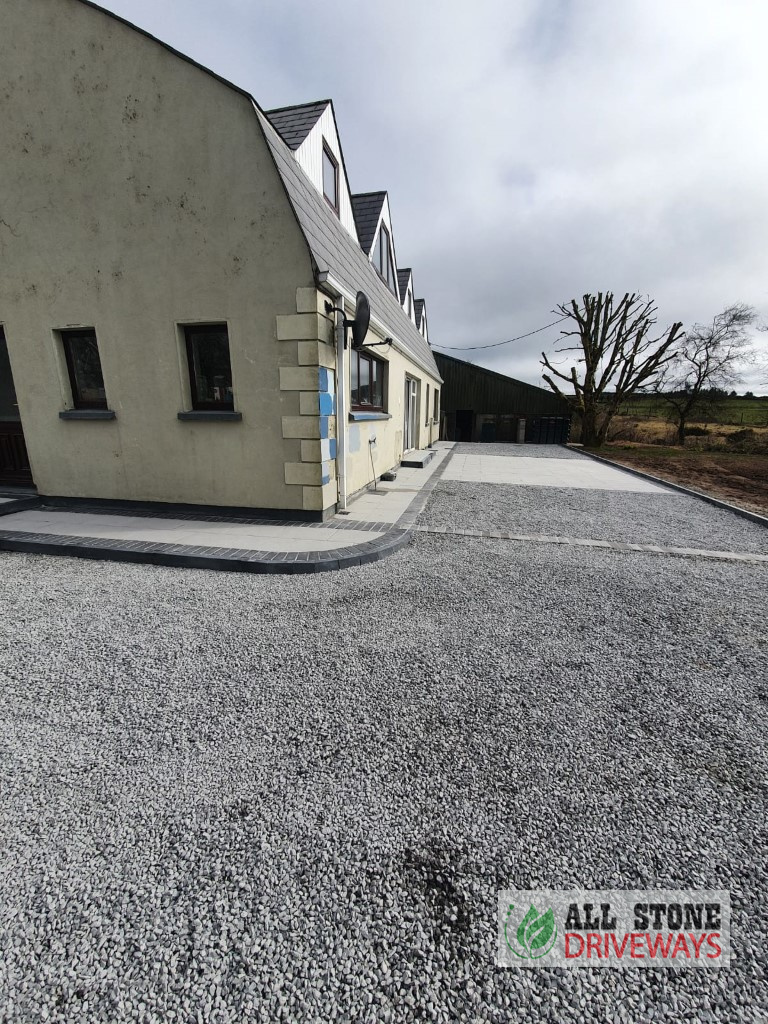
point(297, 106)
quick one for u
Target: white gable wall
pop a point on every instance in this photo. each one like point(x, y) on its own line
point(385, 218)
point(409, 292)
point(310, 156)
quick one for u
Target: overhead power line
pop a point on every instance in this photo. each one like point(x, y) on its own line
point(497, 344)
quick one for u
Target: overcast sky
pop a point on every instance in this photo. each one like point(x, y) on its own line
point(533, 150)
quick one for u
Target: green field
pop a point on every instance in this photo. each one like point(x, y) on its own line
point(752, 412)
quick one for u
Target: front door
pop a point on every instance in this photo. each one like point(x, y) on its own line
point(411, 413)
point(14, 464)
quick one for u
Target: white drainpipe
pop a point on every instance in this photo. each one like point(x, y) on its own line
point(341, 410)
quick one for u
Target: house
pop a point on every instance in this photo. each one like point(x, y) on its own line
point(482, 405)
point(176, 263)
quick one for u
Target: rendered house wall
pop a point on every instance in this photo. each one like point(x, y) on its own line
point(138, 194)
point(388, 449)
point(316, 424)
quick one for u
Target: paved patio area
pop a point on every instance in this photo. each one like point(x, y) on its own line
point(526, 471)
point(374, 525)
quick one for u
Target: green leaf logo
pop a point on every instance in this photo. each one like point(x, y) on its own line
point(536, 934)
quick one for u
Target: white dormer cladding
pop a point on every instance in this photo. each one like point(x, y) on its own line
point(385, 220)
point(421, 319)
point(406, 294)
point(310, 156)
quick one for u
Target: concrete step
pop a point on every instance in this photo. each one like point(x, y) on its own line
point(20, 504)
point(417, 459)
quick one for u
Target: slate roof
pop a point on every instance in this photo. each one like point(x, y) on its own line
point(403, 277)
point(366, 207)
point(335, 250)
point(418, 309)
point(295, 123)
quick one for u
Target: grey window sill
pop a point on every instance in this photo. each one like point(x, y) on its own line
point(211, 416)
point(356, 417)
point(87, 414)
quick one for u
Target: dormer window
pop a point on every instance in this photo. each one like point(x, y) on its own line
point(382, 257)
point(410, 304)
point(330, 177)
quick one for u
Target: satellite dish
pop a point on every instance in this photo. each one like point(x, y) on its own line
point(362, 320)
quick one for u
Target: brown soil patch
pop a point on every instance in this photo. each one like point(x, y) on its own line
point(739, 479)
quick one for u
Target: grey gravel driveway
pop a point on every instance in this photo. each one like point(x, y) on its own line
point(249, 798)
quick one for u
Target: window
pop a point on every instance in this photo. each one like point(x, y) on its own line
point(210, 372)
point(426, 409)
point(382, 257)
point(368, 381)
point(330, 178)
point(437, 406)
point(84, 367)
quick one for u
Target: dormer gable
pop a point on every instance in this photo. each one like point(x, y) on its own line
point(310, 130)
point(374, 229)
point(421, 319)
point(405, 285)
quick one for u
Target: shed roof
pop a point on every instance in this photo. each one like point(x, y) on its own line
point(469, 386)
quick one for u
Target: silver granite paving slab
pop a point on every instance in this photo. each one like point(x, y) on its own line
point(244, 536)
point(516, 451)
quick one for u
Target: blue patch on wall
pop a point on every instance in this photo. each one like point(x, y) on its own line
point(326, 404)
point(332, 445)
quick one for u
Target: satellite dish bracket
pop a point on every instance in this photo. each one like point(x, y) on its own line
point(359, 324)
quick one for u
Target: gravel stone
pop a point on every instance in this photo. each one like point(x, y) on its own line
point(517, 451)
point(269, 798)
point(669, 519)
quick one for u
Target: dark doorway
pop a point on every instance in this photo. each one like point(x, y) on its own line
point(465, 424)
point(14, 464)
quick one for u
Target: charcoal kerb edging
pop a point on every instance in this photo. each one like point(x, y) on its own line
point(394, 537)
point(753, 517)
point(7, 508)
point(199, 557)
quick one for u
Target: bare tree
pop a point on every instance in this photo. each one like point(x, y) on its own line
point(618, 354)
point(710, 359)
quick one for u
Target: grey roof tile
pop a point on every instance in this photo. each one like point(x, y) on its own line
point(419, 309)
point(295, 123)
point(366, 207)
point(335, 250)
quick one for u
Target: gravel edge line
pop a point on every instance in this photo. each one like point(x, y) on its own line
point(754, 558)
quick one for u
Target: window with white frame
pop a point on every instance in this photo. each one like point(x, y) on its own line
point(382, 257)
point(330, 177)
